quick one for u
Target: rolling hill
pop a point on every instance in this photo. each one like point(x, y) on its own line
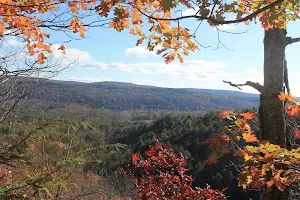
point(128, 96)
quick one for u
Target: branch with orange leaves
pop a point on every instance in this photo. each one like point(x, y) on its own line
point(213, 20)
point(256, 85)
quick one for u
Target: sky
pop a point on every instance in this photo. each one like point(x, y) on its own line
point(107, 55)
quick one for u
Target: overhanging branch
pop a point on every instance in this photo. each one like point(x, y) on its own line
point(256, 85)
point(213, 20)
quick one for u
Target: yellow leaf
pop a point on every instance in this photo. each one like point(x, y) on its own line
point(244, 180)
point(249, 137)
point(136, 16)
point(247, 157)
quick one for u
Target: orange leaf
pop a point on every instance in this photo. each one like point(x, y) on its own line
point(84, 6)
point(139, 41)
point(75, 8)
point(270, 183)
point(212, 142)
point(213, 159)
point(225, 112)
point(293, 110)
point(282, 96)
point(290, 98)
point(249, 137)
point(31, 147)
point(62, 48)
point(131, 31)
point(2, 27)
point(297, 134)
point(82, 30)
point(248, 115)
point(41, 58)
point(286, 97)
point(239, 153)
point(169, 58)
point(180, 58)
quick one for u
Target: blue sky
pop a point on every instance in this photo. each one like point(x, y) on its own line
point(106, 55)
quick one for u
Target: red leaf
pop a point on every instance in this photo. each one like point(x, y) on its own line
point(135, 158)
point(150, 152)
point(157, 144)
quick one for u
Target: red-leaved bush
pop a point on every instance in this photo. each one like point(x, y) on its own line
point(161, 175)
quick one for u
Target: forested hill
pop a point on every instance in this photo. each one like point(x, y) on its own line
point(127, 96)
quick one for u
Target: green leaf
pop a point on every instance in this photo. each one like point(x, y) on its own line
point(2, 191)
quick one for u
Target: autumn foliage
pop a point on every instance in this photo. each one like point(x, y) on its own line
point(264, 164)
point(154, 22)
point(161, 175)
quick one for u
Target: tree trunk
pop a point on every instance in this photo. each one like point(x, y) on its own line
point(273, 123)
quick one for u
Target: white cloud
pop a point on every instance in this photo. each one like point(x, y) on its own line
point(130, 68)
point(13, 43)
point(196, 70)
point(139, 51)
point(252, 71)
point(72, 55)
point(89, 80)
point(193, 69)
point(95, 65)
point(190, 11)
point(193, 11)
point(225, 27)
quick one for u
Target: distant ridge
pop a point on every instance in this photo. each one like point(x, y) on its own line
point(129, 96)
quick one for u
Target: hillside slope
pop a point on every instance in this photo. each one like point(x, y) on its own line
point(126, 96)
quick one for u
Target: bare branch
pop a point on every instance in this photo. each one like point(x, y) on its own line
point(292, 40)
point(256, 85)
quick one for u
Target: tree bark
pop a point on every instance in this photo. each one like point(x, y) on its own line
point(273, 124)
